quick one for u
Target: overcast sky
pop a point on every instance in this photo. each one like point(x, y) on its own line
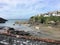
point(21, 9)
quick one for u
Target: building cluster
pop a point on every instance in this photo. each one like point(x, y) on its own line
point(54, 13)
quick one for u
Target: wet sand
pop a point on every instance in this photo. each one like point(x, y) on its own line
point(47, 32)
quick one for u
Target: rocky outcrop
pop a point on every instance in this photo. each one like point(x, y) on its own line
point(2, 20)
point(33, 38)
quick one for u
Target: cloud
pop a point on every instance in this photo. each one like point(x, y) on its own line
point(26, 8)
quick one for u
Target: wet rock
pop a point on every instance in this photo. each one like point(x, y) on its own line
point(23, 33)
point(11, 29)
point(2, 44)
point(2, 20)
point(1, 27)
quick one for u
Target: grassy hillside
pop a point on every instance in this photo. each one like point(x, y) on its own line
point(45, 20)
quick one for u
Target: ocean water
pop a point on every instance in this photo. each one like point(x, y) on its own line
point(10, 23)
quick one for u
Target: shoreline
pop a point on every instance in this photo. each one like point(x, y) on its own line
point(33, 38)
point(47, 31)
point(40, 32)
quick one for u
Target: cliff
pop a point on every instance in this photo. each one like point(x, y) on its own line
point(2, 20)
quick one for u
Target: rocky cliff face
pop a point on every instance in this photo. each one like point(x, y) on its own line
point(2, 20)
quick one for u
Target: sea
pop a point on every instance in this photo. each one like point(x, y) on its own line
point(10, 23)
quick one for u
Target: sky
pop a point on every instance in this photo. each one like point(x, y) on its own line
point(24, 9)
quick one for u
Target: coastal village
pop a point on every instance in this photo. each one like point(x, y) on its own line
point(29, 22)
point(45, 31)
point(41, 25)
point(48, 14)
point(49, 18)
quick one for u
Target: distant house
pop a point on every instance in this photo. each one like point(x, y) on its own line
point(46, 15)
point(54, 13)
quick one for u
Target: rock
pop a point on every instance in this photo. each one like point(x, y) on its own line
point(1, 27)
point(22, 33)
point(37, 27)
point(11, 29)
point(2, 20)
point(2, 44)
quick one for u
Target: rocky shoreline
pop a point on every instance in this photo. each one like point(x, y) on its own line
point(33, 40)
point(27, 37)
point(22, 41)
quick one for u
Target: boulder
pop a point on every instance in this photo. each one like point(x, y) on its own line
point(10, 30)
point(2, 20)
